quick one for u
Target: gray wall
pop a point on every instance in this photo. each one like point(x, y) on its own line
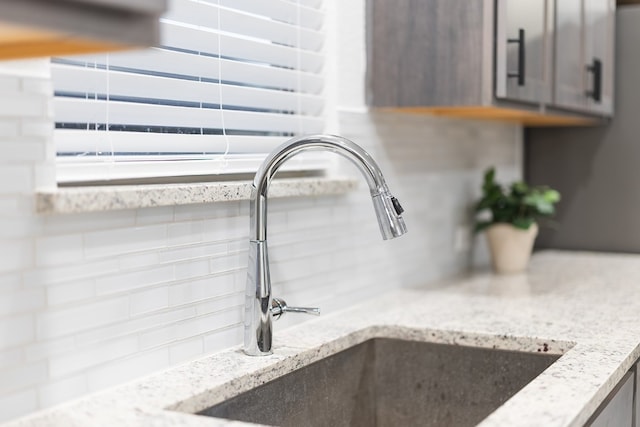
point(597, 170)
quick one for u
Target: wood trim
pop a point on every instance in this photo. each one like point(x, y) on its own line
point(627, 2)
point(526, 118)
point(24, 42)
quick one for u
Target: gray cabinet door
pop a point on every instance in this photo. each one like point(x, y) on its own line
point(570, 75)
point(599, 33)
point(636, 403)
point(522, 51)
point(424, 52)
point(617, 410)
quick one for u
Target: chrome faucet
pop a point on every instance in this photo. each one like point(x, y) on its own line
point(260, 307)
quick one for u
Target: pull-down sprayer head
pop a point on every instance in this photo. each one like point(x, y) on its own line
point(389, 211)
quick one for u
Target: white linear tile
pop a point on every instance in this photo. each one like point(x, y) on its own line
point(200, 289)
point(52, 275)
point(206, 211)
point(184, 233)
point(127, 369)
point(116, 242)
point(22, 151)
point(226, 228)
point(235, 299)
point(230, 262)
point(185, 350)
point(59, 391)
point(81, 359)
point(151, 300)
point(22, 301)
point(37, 127)
point(192, 269)
point(9, 84)
point(20, 227)
point(223, 338)
point(14, 405)
point(8, 129)
point(88, 222)
point(87, 316)
point(137, 325)
point(138, 260)
point(155, 215)
point(46, 349)
point(207, 323)
point(134, 280)
point(187, 253)
point(11, 357)
point(20, 105)
point(23, 376)
point(16, 255)
point(17, 330)
point(59, 250)
point(11, 282)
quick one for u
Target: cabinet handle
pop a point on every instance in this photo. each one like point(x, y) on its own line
point(596, 69)
point(521, 55)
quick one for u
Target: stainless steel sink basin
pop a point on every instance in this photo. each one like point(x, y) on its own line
point(389, 382)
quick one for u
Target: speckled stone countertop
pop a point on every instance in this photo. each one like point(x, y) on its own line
point(582, 305)
point(111, 197)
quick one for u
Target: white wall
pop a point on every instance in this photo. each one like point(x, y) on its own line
point(92, 300)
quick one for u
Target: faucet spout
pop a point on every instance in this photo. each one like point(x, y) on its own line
point(258, 298)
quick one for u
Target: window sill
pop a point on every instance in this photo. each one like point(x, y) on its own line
point(70, 200)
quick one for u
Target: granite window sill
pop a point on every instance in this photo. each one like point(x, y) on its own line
point(69, 200)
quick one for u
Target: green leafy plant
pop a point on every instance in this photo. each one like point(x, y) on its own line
point(519, 204)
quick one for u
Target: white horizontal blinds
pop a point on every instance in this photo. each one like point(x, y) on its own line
point(232, 77)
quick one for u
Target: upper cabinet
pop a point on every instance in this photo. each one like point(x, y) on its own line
point(585, 40)
point(537, 62)
point(31, 28)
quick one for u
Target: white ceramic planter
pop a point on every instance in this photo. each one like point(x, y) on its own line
point(510, 247)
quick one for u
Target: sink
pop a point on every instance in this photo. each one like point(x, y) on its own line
point(390, 382)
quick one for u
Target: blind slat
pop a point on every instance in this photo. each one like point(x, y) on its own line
point(243, 49)
point(205, 15)
point(124, 113)
point(76, 141)
point(171, 62)
point(311, 15)
point(77, 80)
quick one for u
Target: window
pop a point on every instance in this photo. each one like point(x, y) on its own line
point(232, 79)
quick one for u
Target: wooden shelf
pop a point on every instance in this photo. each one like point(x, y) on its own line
point(526, 118)
point(22, 42)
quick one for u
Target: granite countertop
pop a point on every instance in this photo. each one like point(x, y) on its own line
point(67, 200)
point(580, 305)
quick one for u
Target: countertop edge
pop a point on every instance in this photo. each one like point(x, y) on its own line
point(69, 200)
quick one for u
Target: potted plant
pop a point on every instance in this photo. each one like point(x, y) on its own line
point(512, 226)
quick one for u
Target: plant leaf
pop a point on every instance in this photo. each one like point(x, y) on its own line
point(551, 196)
point(523, 223)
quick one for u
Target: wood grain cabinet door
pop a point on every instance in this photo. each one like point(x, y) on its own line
point(570, 72)
point(599, 47)
point(522, 51)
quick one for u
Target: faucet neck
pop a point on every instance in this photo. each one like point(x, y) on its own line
point(342, 146)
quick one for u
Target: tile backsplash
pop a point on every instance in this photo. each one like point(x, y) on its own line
point(92, 300)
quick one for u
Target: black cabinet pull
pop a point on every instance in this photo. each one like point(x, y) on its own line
point(596, 69)
point(520, 75)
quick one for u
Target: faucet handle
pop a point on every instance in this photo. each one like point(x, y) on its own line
point(279, 307)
